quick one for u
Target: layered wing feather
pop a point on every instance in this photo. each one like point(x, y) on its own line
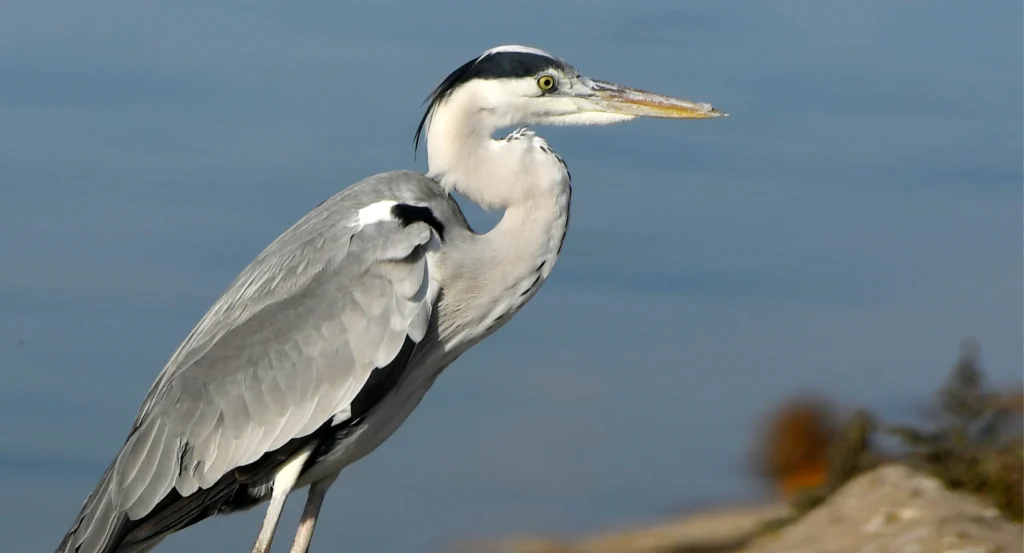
point(282, 352)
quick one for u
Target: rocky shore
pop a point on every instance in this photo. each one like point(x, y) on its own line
point(892, 509)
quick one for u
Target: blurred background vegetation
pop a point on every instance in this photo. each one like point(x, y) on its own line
point(969, 435)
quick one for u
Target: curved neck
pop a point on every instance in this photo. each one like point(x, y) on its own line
point(495, 174)
point(489, 277)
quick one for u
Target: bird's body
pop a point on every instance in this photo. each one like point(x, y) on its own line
point(329, 339)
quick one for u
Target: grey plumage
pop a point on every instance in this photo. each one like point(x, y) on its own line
point(284, 350)
point(330, 338)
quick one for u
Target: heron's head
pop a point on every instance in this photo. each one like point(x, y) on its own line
point(517, 85)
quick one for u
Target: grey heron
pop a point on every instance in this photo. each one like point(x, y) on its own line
point(328, 340)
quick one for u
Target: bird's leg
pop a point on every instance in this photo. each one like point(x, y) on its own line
point(285, 479)
point(317, 492)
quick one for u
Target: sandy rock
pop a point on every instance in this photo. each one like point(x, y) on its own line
point(716, 530)
point(894, 509)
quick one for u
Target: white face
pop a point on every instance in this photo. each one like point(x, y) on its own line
point(550, 97)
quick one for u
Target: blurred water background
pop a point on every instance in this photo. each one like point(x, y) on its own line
point(858, 215)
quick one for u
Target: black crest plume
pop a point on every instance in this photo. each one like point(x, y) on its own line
point(502, 64)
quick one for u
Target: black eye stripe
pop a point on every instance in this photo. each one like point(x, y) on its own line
point(497, 65)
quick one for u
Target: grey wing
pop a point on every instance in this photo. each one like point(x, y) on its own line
point(284, 351)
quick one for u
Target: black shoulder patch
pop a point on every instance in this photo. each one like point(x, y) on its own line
point(497, 65)
point(408, 214)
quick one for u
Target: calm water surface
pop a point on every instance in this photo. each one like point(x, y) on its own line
point(856, 218)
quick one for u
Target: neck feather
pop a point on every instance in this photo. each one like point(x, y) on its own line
point(489, 277)
point(494, 174)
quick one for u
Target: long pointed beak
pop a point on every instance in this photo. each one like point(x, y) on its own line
point(623, 100)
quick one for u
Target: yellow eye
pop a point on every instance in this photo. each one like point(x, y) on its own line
point(546, 83)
